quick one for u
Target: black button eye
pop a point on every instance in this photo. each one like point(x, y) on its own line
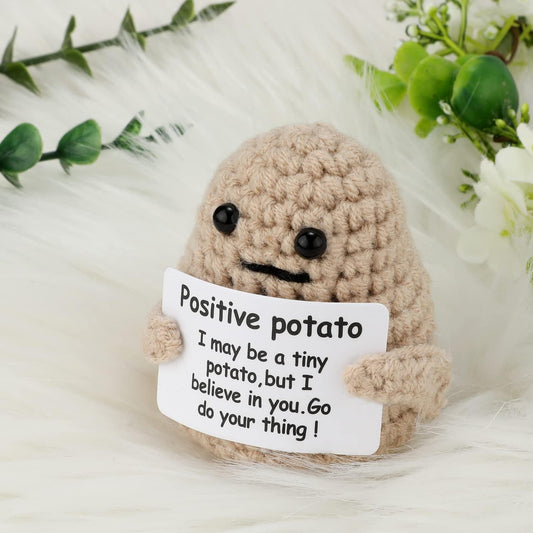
point(225, 218)
point(310, 243)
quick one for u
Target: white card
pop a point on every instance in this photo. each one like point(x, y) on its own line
point(268, 372)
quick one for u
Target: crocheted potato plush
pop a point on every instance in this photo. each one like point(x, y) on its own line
point(304, 212)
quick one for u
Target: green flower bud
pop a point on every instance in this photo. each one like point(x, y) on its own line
point(524, 113)
point(446, 108)
point(465, 187)
point(412, 30)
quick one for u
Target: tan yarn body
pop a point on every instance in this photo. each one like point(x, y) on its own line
point(313, 176)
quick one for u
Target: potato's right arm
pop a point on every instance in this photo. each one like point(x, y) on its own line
point(162, 338)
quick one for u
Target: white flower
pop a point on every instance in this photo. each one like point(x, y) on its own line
point(504, 214)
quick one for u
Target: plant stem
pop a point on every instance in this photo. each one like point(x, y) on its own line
point(444, 37)
point(501, 34)
point(115, 41)
point(37, 60)
point(477, 139)
point(48, 156)
point(464, 20)
point(54, 154)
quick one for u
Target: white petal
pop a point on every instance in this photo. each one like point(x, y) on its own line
point(474, 244)
point(490, 212)
point(488, 173)
point(504, 259)
point(515, 164)
point(525, 134)
point(492, 180)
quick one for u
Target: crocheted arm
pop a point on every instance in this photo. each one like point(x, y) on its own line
point(413, 376)
point(162, 338)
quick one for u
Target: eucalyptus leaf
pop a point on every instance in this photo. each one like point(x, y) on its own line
point(13, 178)
point(212, 11)
point(76, 58)
point(65, 166)
point(81, 145)
point(385, 88)
point(21, 149)
point(141, 39)
point(125, 140)
point(134, 126)
point(8, 52)
point(178, 129)
point(67, 39)
point(163, 134)
point(424, 127)
point(127, 27)
point(19, 74)
point(184, 14)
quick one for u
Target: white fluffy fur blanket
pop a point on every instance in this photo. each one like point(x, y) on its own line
point(83, 446)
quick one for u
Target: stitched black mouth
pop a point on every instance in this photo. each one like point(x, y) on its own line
point(284, 275)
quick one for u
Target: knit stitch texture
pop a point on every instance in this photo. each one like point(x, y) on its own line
point(311, 175)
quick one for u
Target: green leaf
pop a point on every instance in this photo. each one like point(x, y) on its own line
point(13, 178)
point(81, 145)
point(424, 127)
point(76, 58)
point(127, 27)
point(431, 82)
point(134, 126)
point(184, 14)
point(358, 65)
point(388, 89)
point(385, 88)
point(8, 52)
point(20, 150)
point(212, 11)
point(19, 74)
point(70, 54)
point(141, 39)
point(407, 58)
point(65, 166)
point(178, 129)
point(125, 140)
point(67, 39)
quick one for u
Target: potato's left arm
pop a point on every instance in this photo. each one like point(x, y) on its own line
point(414, 376)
